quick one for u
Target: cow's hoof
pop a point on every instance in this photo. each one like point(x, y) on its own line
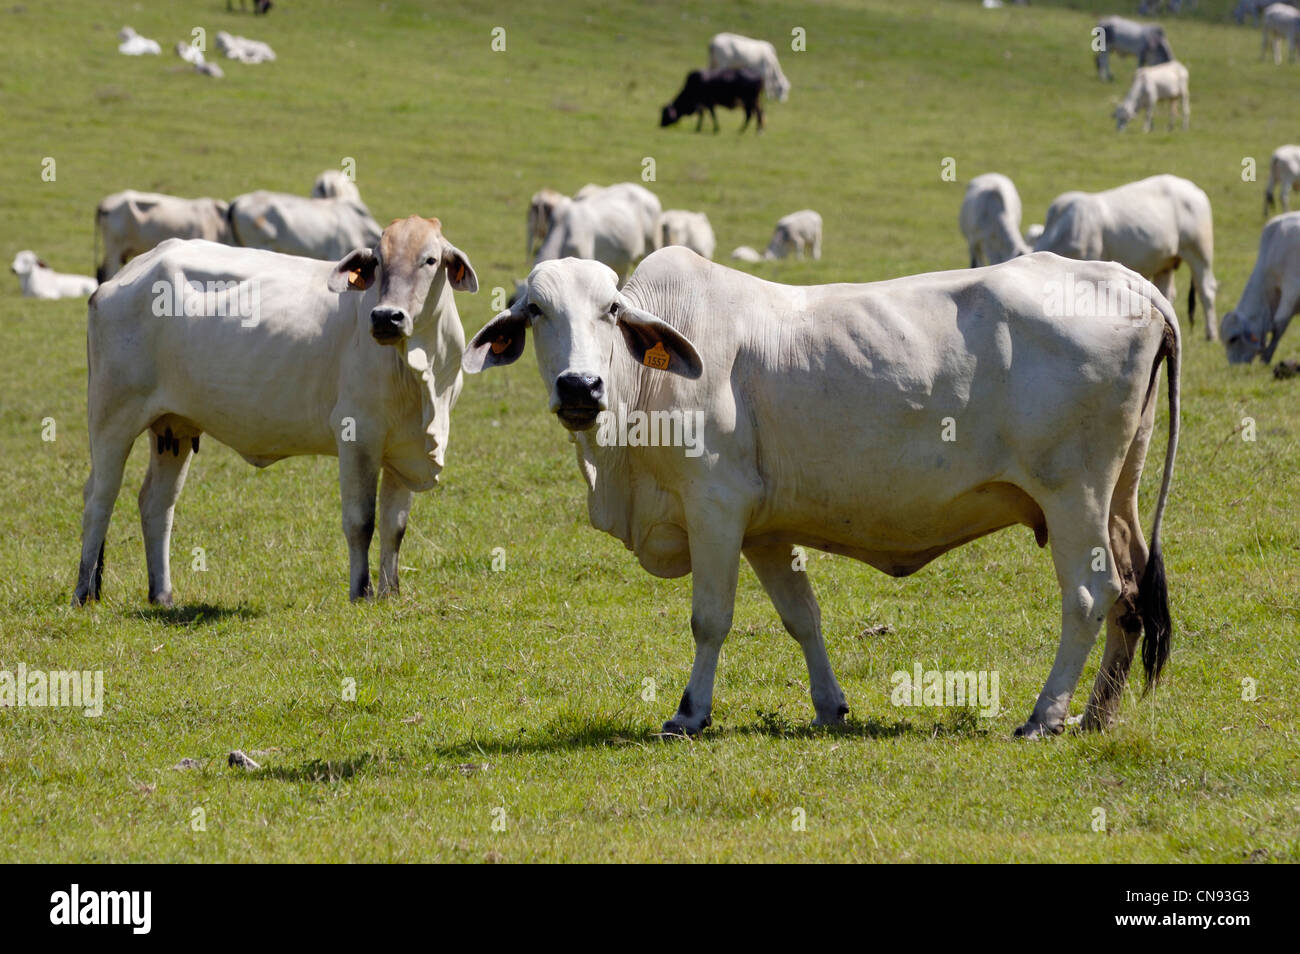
point(680, 728)
point(835, 718)
point(162, 600)
point(1037, 730)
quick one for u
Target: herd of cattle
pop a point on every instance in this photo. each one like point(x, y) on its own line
point(284, 325)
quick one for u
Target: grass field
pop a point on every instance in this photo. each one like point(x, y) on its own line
point(517, 697)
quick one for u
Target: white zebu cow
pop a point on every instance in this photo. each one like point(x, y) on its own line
point(1279, 22)
point(296, 225)
point(1152, 85)
point(1254, 8)
point(733, 51)
point(1271, 296)
point(990, 220)
point(130, 223)
point(607, 225)
point(333, 184)
point(1146, 41)
point(1283, 175)
point(243, 49)
point(277, 357)
point(38, 280)
point(546, 204)
point(690, 229)
point(816, 416)
point(131, 43)
point(1151, 226)
point(795, 233)
point(541, 214)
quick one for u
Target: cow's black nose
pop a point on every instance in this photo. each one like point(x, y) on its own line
point(385, 322)
point(573, 388)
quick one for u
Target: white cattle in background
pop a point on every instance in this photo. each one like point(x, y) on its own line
point(296, 225)
point(990, 220)
point(795, 234)
point(784, 416)
point(690, 229)
point(131, 43)
point(1283, 175)
point(1280, 23)
point(733, 51)
point(1146, 41)
point(243, 49)
point(334, 184)
point(130, 223)
point(1152, 85)
point(1271, 296)
point(38, 280)
point(1151, 226)
point(276, 356)
point(547, 203)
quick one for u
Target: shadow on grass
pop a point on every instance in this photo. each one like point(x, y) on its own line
point(318, 770)
point(198, 614)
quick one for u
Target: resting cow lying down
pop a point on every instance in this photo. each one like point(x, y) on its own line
point(823, 411)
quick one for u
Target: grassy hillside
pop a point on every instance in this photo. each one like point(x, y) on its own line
point(523, 690)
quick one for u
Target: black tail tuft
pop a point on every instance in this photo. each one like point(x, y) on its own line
point(1153, 606)
point(1191, 303)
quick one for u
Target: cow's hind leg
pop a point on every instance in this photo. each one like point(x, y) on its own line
point(169, 462)
point(109, 448)
point(1085, 568)
point(792, 595)
point(394, 508)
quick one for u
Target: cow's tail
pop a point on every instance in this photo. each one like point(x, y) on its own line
point(230, 225)
point(1153, 589)
point(101, 268)
point(1268, 191)
point(1191, 303)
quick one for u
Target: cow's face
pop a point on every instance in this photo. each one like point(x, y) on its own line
point(26, 262)
point(668, 116)
point(412, 262)
point(1122, 115)
point(579, 321)
point(1240, 340)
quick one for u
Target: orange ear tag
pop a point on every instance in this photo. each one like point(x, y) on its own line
point(500, 344)
point(354, 279)
point(657, 357)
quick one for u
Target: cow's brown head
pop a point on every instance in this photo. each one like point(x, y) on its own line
point(414, 263)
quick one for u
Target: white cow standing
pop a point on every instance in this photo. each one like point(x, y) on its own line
point(38, 280)
point(794, 234)
point(615, 225)
point(1280, 22)
point(817, 415)
point(296, 225)
point(1146, 41)
point(278, 356)
point(990, 220)
point(690, 229)
point(1283, 175)
point(1152, 85)
point(1271, 296)
point(130, 223)
point(733, 51)
point(333, 184)
point(1151, 226)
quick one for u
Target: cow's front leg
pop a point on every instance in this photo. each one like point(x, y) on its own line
point(394, 507)
point(715, 563)
point(358, 479)
point(792, 595)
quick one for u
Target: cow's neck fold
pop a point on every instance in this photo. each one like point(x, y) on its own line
point(426, 355)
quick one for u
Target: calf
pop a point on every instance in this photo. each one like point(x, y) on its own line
point(706, 89)
point(38, 280)
point(990, 220)
point(1156, 84)
point(1271, 296)
point(276, 356)
point(1283, 175)
point(817, 414)
point(691, 229)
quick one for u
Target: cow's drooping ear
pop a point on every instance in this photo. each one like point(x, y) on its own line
point(657, 344)
point(459, 271)
point(356, 271)
point(500, 341)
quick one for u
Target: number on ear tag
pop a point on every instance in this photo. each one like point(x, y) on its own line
point(657, 357)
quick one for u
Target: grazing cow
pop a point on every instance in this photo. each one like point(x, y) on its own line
point(706, 89)
point(812, 416)
point(130, 223)
point(607, 225)
point(1254, 8)
point(1151, 226)
point(643, 203)
point(1284, 175)
point(1147, 7)
point(541, 214)
point(1146, 41)
point(295, 225)
point(795, 233)
point(990, 220)
point(1280, 22)
point(243, 49)
point(131, 43)
point(691, 229)
point(733, 51)
point(746, 253)
point(259, 6)
point(38, 280)
point(1271, 296)
point(1156, 84)
point(333, 184)
point(276, 356)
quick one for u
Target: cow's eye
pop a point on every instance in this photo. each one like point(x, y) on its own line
point(613, 309)
point(534, 310)
point(431, 261)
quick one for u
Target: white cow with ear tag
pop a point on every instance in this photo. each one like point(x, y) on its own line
point(276, 356)
point(815, 416)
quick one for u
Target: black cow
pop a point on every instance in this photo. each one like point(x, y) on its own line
point(706, 89)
